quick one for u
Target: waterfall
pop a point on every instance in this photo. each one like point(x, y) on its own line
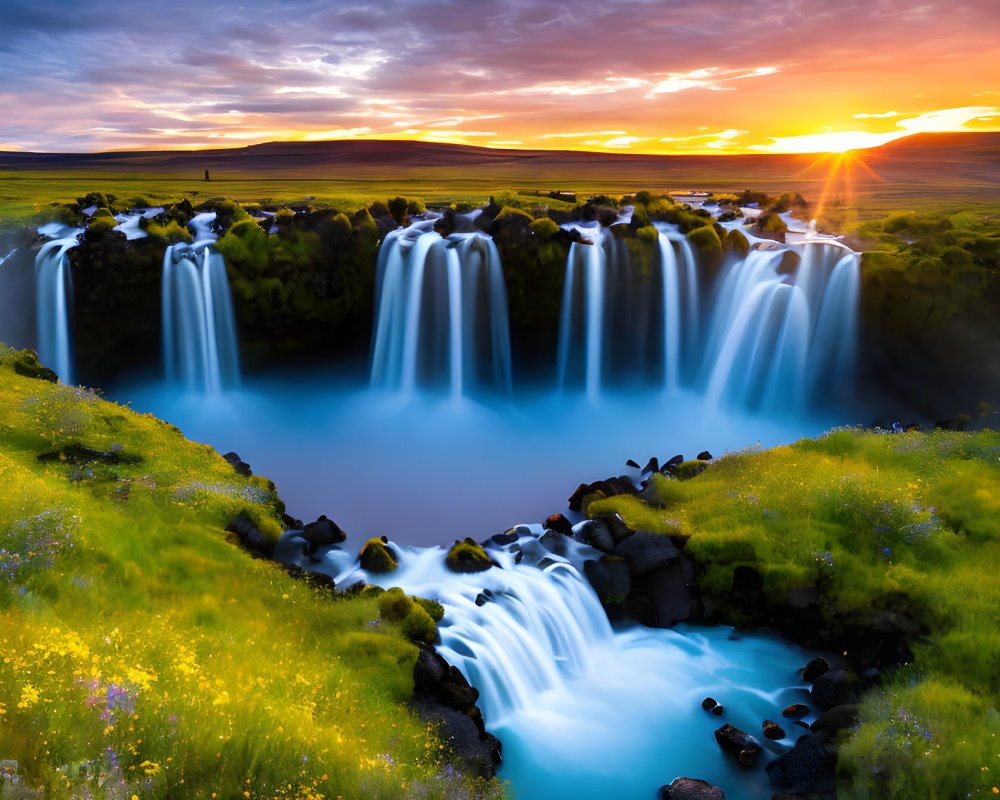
point(54, 299)
point(770, 341)
point(440, 313)
point(779, 342)
point(617, 324)
point(583, 709)
point(200, 349)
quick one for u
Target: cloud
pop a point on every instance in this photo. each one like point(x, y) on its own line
point(706, 78)
point(578, 135)
point(340, 133)
point(884, 115)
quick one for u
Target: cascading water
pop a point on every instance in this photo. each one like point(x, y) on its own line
point(200, 350)
point(617, 323)
point(441, 313)
point(54, 299)
point(779, 342)
point(585, 710)
point(771, 342)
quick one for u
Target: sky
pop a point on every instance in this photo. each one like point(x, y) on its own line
point(641, 76)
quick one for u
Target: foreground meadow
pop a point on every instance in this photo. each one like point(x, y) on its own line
point(145, 654)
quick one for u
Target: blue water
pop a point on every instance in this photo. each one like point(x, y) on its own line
point(429, 469)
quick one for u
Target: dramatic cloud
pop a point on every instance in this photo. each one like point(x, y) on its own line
point(638, 74)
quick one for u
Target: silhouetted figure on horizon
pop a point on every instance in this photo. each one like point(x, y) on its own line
point(206, 176)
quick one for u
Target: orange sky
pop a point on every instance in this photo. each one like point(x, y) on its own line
point(643, 76)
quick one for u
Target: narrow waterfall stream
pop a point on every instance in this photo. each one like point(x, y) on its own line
point(200, 348)
point(54, 297)
point(585, 710)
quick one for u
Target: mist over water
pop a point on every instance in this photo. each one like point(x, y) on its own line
point(427, 469)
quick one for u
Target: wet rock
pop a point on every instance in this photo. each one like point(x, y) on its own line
point(747, 592)
point(742, 746)
point(322, 533)
point(376, 556)
point(659, 598)
point(835, 688)
point(238, 464)
point(796, 711)
point(509, 536)
point(772, 730)
point(709, 703)
point(316, 580)
point(467, 556)
point(596, 533)
point(808, 767)
point(559, 524)
point(557, 543)
point(646, 552)
point(653, 465)
point(818, 666)
point(719, 710)
point(479, 752)
point(836, 719)
point(290, 523)
point(610, 578)
point(615, 525)
point(691, 789)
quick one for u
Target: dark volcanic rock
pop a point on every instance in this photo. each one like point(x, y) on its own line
point(659, 598)
point(77, 453)
point(610, 578)
point(467, 556)
point(597, 534)
point(772, 730)
point(241, 466)
point(796, 711)
point(691, 789)
point(818, 666)
point(835, 688)
point(808, 767)
point(322, 533)
point(559, 524)
point(742, 746)
point(709, 703)
point(704, 455)
point(554, 542)
point(838, 718)
point(646, 552)
point(441, 694)
point(249, 535)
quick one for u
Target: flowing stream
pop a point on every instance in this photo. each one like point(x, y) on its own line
point(585, 710)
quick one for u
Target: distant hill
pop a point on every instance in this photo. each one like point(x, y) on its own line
point(959, 166)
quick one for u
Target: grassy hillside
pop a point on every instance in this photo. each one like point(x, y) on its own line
point(144, 653)
point(891, 534)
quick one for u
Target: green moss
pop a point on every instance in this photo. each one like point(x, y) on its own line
point(705, 240)
point(690, 469)
point(467, 556)
point(432, 607)
point(509, 213)
point(772, 223)
point(419, 626)
point(544, 228)
point(736, 244)
point(376, 556)
point(169, 233)
point(25, 363)
point(394, 605)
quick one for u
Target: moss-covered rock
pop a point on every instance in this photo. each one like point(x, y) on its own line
point(170, 232)
point(394, 605)
point(544, 228)
point(468, 556)
point(432, 607)
point(705, 241)
point(376, 556)
point(419, 626)
point(25, 362)
point(690, 469)
point(736, 244)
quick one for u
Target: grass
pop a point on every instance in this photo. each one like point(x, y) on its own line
point(863, 518)
point(144, 654)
